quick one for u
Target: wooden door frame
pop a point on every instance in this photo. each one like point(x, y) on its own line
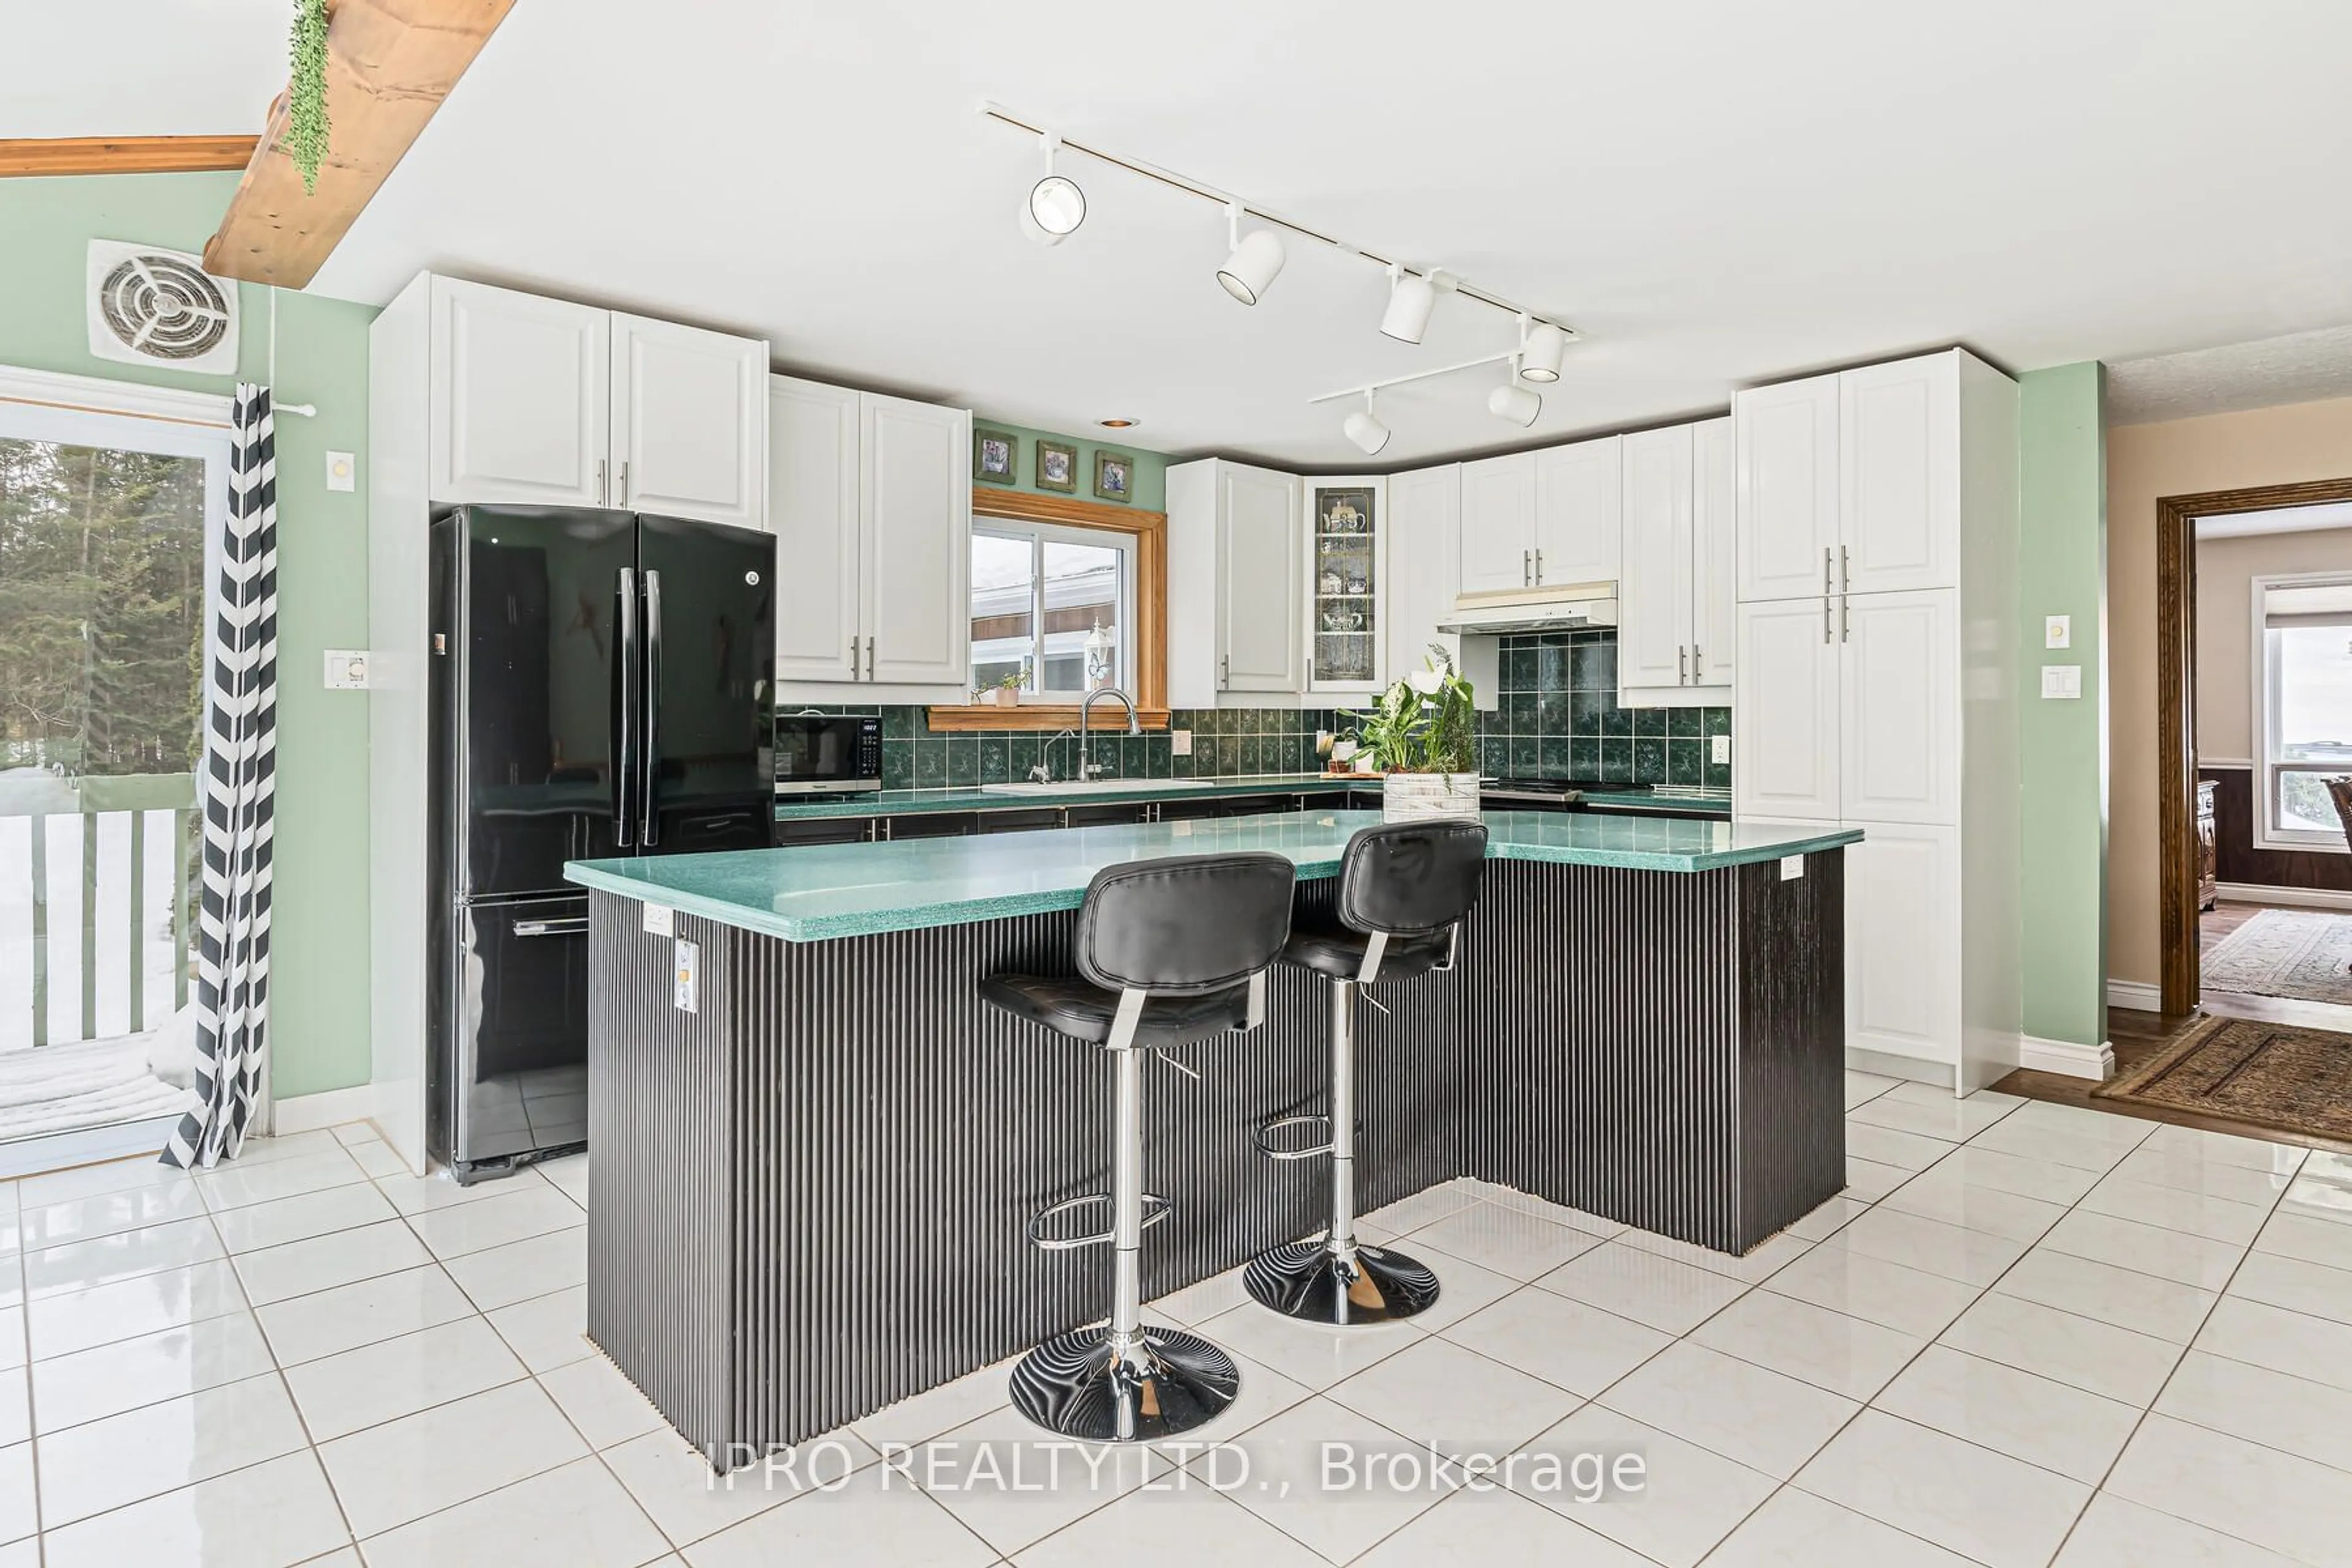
point(2176, 711)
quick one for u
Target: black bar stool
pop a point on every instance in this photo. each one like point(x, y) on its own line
point(1169, 951)
point(1404, 888)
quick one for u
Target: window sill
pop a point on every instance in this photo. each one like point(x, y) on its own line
point(2315, 844)
point(1109, 718)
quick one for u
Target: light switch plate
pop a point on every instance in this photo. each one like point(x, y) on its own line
point(1719, 749)
point(2062, 680)
point(661, 919)
point(342, 471)
point(1180, 742)
point(2057, 631)
point(347, 669)
point(686, 991)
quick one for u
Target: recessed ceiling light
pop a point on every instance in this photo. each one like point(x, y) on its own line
point(1118, 423)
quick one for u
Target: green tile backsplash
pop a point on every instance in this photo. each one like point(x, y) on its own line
point(1557, 718)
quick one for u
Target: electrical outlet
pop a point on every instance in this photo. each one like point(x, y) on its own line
point(347, 669)
point(1180, 742)
point(686, 991)
point(660, 920)
point(1719, 749)
point(1792, 866)
point(2057, 631)
point(342, 471)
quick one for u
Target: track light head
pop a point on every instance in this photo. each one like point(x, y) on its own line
point(1516, 404)
point(1055, 205)
point(1364, 429)
point(1411, 299)
point(1541, 353)
point(1255, 262)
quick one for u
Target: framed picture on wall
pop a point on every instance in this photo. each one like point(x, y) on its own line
point(1114, 476)
point(992, 456)
point(1057, 468)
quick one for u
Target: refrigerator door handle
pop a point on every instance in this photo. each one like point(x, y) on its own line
point(626, 694)
point(650, 775)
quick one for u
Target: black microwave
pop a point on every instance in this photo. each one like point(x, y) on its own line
point(828, 753)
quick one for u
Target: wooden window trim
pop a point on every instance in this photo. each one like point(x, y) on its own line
point(1148, 531)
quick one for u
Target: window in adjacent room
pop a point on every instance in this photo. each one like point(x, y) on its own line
point(1052, 606)
point(2305, 624)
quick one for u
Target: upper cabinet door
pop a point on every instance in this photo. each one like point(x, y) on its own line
point(689, 422)
point(1578, 513)
point(813, 508)
point(1424, 558)
point(519, 398)
point(1258, 562)
point(1784, 727)
point(1900, 730)
point(1715, 555)
point(1899, 454)
point(1653, 629)
point(1498, 524)
point(914, 536)
point(1787, 437)
point(1348, 589)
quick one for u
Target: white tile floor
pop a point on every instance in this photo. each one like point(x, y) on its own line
point(2027, 1334)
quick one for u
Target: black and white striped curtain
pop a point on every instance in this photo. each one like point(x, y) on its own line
point(235, 793)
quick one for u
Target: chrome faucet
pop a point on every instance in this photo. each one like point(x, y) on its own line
point(1087, 768)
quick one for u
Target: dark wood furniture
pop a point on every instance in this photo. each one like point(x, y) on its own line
point(2208, 846)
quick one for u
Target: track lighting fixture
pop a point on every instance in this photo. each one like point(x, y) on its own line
point(1364, 428)
point(1516, 404)
point(1411, 299)
point(1255, 262)
point(1055, 205)
point(1539, 353)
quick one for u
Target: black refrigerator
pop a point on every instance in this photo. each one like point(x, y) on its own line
point(600, 687)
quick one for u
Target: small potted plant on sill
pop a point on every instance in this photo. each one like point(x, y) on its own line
point(1006, 692)
point(1422, 738)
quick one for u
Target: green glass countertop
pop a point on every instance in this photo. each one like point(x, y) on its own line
point(814, 892)
point(979, 797)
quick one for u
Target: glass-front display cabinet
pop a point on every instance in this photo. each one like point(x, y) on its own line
point(1347, 570)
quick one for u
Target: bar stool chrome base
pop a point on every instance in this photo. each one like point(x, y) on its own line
point(1308, 1280)
point(1167, 1384)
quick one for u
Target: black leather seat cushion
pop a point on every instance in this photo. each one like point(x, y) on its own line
point(1069, 1005)
point(1335, 951)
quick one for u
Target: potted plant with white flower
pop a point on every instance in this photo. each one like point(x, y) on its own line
point(1423, 736)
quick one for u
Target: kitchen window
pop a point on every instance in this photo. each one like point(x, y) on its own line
point(2302, 659)
point(1052, 609)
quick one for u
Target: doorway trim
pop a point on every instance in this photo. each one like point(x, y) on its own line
point(2176, 711)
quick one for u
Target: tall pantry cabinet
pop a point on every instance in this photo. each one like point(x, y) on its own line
point(1876, 686)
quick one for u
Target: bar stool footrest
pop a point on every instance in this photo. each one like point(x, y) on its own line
point(1155, 1209)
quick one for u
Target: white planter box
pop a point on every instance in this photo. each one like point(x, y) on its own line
point(1417, 797)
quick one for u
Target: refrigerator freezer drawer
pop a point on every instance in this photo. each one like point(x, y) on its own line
point(518, 1083)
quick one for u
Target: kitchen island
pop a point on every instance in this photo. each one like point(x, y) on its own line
point(815, 1160)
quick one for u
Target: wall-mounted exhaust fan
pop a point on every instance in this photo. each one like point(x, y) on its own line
point(154, 307)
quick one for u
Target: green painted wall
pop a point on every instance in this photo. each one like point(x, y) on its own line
point(2063, 571)
point(319, 980)
point(1150, 468)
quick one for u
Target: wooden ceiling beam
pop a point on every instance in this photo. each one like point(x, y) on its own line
point(390, 63)
point(50, 155)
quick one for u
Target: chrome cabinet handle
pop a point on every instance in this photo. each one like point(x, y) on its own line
point(1845, 570)
point(1226, 672)
point(572, 927)
point(1682, 665)
point(1526, 568)
point(869, 659)
point(853, 659)
point(1699, 665)
point(1538, 568)
point(604, 491)
point(1825, 569)
point(624, 484)
point(1846, 619)
point(1829, 628)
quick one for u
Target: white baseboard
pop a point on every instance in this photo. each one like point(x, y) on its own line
point(2095, 1062)
point(2132, 994)
point(1885, 1064)
point(308, 1112)
point(2299, 898)
point(63, 1151)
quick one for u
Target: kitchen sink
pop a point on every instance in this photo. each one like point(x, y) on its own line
point(1090, 787)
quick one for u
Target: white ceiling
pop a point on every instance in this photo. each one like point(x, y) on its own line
point(142, 68)
point(2302, 367)
point(1714, 192)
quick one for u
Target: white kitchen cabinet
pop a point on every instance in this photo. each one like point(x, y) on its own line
point(1655, 609)
point(1236, 585)
point(1424, 557)
point(1346, 533)
point(815, 444)
point(1579, 512)
point(1883, 694)
point(539, 402)
point(1785, 722)
point(1899, 710)
point(1499, 525)
point(915, 532)
point(1715, 560)
point(871, 502)
point(1787, 488)
point(689, 430)
point(518, 398)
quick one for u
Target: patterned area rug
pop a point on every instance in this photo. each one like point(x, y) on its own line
point(2296, 1080)
point(2304, 953)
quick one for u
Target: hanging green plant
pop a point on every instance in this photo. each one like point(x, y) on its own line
point(305, 93)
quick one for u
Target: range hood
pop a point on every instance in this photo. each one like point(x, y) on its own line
point(1572, 607)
